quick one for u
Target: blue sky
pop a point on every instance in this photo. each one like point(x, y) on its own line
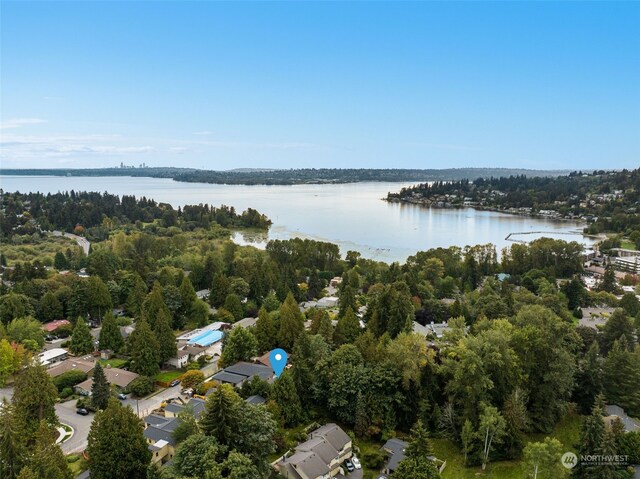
point(227, 85)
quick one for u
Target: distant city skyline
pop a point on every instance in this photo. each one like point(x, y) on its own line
point(217, 85)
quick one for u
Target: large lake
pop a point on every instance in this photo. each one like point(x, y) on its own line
point(350, 215)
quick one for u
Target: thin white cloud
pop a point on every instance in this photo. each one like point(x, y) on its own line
point(19, 122)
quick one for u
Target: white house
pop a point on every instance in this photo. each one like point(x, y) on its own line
point(52, 356)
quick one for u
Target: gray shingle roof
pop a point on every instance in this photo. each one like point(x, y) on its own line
point(309, 463)
point(256, 400)
point(395, 448)
point(334, 434)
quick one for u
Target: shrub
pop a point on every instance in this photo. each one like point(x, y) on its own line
point(66, 392)
point(141, 386)
point(69, 379)
point(373, 459)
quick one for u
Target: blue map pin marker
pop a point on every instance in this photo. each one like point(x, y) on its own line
point(278, 360)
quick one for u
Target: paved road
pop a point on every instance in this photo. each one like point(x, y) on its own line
point(81, 424)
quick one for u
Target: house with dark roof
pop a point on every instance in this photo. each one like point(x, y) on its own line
point(394, 448)
point(320, 456)
point(159, 429)
point(240, 372)
point(614, 411)
point(255, 400)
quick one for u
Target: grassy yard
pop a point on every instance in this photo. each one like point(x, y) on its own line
point(114, 362)
point(168, 376)
point(77, 464)
point(626, 244)
point(567, 432)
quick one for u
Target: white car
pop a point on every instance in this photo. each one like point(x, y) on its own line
point(356, 462)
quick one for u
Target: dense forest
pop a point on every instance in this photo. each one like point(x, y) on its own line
point(291, 176)
point(513, 364)
point(94, 214)
point(610, 201)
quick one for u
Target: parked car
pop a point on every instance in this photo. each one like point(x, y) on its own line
point(349, 465)
point(356, 462)
point(82, 411)
point(175, 382)
point(122, 396)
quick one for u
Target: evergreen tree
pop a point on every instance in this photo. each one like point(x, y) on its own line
point(314, 286)
point(285, 395)
point(467, 437)
point(591, 441)
point(325, 328)
point(100, 390)
point(588, 379)
point(220, 418)
point(117, 446)
point(347, 300)
point(618, 325)
point(81, 339)
point(60, 262)
point(188, 294)
point(166, 338)
point(265, 331)
point(621, 378)
point(12, 447)
point(419, 446)
point(48, 461)
point(144, 348)
point(347, 329)
point(34, 399)
point(233, 304)
point(50, 307)
point(240, 345)
point(291, 323)
point(154, 305)
point(110, 336)
point(609, 283)
point(220, 288)
point(137, 296)
point(98, 297)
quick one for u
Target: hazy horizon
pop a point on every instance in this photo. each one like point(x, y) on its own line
point(220, 86)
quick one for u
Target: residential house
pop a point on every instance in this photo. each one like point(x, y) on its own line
point(255, 400)
point(115, 376)
point(245, 323)
point(240, 372)
point(51, 326)
point(159, 429)
point(84, 365)
point(180, 360)
point(395, 449)
point(614, 411)
point(53, 356)
point(320, 456)
point(327, 302)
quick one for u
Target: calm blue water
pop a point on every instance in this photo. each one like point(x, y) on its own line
point(350, 215)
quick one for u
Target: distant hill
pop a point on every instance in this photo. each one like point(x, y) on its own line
point(260, 176)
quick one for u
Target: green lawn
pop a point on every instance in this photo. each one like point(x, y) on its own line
point(567, 432)
point(168, 376)
point(114, 362)
point(77, 464)
point(626, 244)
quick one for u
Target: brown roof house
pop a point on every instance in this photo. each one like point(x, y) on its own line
point(115, 377)
point(72, 364)
point(320, 456)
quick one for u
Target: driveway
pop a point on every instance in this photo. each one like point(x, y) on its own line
point(81, 424)
point(357, 474)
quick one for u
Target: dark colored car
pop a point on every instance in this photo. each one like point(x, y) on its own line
point(349, 465)
point(122, 396)
point(82, 411)
point(175, 382)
